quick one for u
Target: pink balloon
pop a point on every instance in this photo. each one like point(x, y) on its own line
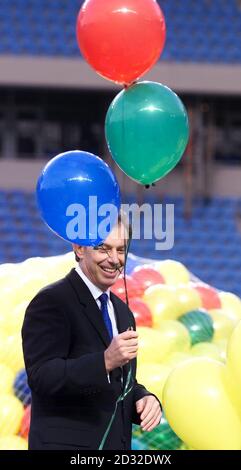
point(146, 277)
point(209, 296)
point(133, 288)
point(141, 312)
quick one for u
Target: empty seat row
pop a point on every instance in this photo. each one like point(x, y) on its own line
point(196, 31)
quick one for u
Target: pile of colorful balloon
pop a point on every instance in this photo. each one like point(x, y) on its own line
point(146, 125)
point(189, 352)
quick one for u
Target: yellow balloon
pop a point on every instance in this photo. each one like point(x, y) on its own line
point(223, 325)
point(2, 321)
point(233, 366)
point(153, 377)
point(3, 341)
point(7, 304)
point(66, 262)
point(8, 275)
point(188, 299)
point(175, 335)
point(162, 302)
point(198, 407)
point(5, 269)
point(222, 344)
point(11, 414)
point(173, 272)
point(13, 443)
point(32, 265)
point(48, 270)
point(209, 350)
point(12, 322)
point(176, 358)
point(29, 287)
point(184, 447)
point(59, 266)
point(150, 347)
point(231, 305)
point(11, 353)
point(6, 379)
point(156, 345)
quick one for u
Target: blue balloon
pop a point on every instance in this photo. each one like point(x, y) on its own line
point(21, 388)
point(78, 197)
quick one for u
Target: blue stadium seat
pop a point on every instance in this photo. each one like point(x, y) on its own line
point(196, 31)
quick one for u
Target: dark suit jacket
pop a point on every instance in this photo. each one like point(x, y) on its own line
point(64, 338)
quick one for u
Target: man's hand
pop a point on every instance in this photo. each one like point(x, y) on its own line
point(121, 350)
point(150, 412)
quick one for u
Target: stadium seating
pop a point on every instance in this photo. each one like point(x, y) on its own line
point(209, 244)
point(197, 31)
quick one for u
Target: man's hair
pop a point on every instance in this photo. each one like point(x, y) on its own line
point(122, 219)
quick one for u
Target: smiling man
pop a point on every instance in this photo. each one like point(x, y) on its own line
point(80, 348)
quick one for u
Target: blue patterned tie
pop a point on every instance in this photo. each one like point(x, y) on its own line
point(104, 310)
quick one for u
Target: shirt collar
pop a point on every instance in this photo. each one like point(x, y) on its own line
point(95, 291)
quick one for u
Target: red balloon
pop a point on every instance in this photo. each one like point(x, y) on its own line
point(121, 39)
point(141, 312)
point(25, 424)
point(209, 296)
point(147, 277)
point(133, 289)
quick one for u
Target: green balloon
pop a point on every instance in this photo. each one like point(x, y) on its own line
point(146, 131)
point(199, 324)
point(162, 437)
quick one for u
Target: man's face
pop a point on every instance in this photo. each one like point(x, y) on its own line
point(104, 265)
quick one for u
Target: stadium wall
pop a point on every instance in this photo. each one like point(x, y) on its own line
point(72, 73)
point(23, 175)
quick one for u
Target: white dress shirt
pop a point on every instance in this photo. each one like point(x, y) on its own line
point(96, 292)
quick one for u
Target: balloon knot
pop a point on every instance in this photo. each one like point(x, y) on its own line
point(128, 85)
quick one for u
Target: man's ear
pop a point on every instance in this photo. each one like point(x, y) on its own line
point(78, 250)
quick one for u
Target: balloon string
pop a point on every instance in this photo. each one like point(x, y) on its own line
point(120, 398)
point(129, 380)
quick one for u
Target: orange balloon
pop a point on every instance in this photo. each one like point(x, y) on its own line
point(25, 423)
point(146, 277)
point(209, 296)
point(121, 39)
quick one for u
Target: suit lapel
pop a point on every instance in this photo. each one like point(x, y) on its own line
point(90, 309)
point(123, 323)
point(93, 313)
point(122, 319)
